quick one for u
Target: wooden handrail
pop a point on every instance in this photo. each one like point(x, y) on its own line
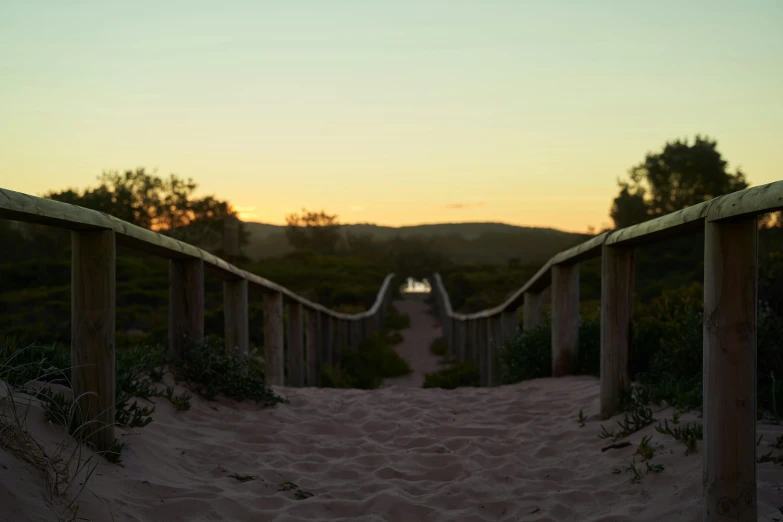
point(32, 209)
point(315, 334)
point(730, 225)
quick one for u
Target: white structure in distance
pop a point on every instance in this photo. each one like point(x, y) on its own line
point(412, 286)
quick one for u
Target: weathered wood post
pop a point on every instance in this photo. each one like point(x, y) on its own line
point(186, 304)
point(328, 335)
point(295, 355)
point(235, 315)
point(730, 322)
point(470, 345)
point(531, 311)
point(274, 359)
point(617, 275)
point(455, 338)
point(235, 320)
point(510, 322)
point(93, 301)
point(495, 345)
point(484, 333)
point(565, 318)
point(463, 339)
point(350, 334)
point(312, 347)
point(340, 340)
point(445, 324)
point(368, 325)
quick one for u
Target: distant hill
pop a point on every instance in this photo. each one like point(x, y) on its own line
point(494, 243)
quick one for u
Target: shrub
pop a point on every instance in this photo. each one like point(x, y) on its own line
point(460, 374)
point(439, 347)
point(528, 355)
point(211, 370)
point(394, 320)
point(367, 365)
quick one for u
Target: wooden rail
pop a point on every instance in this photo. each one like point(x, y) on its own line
point(314, 333)
point(730, 224)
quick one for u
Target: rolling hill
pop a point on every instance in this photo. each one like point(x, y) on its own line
point(495, 243)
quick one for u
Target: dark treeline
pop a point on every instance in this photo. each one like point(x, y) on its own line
point(341, 266)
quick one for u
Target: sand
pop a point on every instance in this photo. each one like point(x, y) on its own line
point(401, 453)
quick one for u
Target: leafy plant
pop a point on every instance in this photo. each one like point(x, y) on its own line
point(366, 366)
point(689, 435)
point(439, 347)
point(212, 370)
point(460, 374)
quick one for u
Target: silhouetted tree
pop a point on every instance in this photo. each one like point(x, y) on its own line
point(163, 205)
point(316, 231)
point(416, 257)
point(679, 176)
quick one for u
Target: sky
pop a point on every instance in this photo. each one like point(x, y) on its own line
point(389, 112)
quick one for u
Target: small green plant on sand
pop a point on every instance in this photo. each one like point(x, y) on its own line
point(637, 416)
point(645, 452)
point(243, 478)
point(687, 434)
point(180, 402)
point(581, 418)
point(298, 493)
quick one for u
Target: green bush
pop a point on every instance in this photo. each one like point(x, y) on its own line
point(211, 370)
point(458, 375)
point(394, 320)
point(439, 347)
point(528, 355)
point(367, 365)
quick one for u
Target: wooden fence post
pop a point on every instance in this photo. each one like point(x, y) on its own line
point(455, 338)
point(328, 334)
point(729, 375)
point(235, 316)
point(531, 312)
point(340, 340)
point(510, 324)
point(470, 345)
point(295, 355)
point(274, 359)
point(93, 301)
point(463, 340)
point(484, 333)
point(565, 318)
point(312, 347)
point(495, 345)
point(186, 304)
point(617, 274)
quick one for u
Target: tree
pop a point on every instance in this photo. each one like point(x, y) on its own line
point(629, 208)
point(679, 176)
point(316, 231)
point(416, 256)
point(163, 205)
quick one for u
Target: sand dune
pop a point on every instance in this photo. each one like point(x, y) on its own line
point(397, 454)
point(512, 453)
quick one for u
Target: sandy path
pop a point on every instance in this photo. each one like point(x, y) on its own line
point(510, 453)
point(398, 454)
point(415, 348)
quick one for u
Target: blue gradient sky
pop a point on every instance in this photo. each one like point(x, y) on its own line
point(389, 112)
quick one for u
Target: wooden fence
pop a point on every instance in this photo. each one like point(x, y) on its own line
point(730, 224)
point(296, 342)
